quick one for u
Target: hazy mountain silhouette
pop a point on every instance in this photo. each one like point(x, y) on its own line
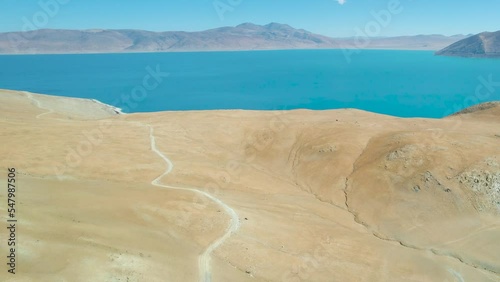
point(245, 36)
point(486, 44)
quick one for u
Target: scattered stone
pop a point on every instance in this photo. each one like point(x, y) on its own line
point(327, 148)
point(430, 180)
point(485, 186)
point(407, 153)
point(416, 188)
point(428, 176)
point(492, 162)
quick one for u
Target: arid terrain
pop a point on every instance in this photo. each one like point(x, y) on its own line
point(342, 195)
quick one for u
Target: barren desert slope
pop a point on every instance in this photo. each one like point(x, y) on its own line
point(342, 195)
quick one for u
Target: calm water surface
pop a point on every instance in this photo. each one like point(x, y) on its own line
point(401, 83)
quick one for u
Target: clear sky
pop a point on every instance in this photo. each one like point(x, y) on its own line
point(328, 17)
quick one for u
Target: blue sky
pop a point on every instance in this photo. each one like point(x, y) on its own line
point(326, 17)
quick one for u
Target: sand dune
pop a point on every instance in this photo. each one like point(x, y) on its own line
point(340, 195)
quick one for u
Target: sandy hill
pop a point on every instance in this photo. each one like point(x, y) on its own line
point(302, 195)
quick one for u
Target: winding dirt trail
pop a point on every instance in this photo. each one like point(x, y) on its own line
point(30, 96)
point(205, 271)
point(204, 265)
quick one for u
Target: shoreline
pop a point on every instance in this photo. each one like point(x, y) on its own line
point(117, 110)
point(219, 51)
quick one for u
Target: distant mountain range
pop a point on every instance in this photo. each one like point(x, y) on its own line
point(242, 37)
point(486, 44)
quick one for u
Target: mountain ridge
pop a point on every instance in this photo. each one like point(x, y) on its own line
point(485, 44)
point(245, 36)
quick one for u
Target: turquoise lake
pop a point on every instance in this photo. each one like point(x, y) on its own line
point(400, 83)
